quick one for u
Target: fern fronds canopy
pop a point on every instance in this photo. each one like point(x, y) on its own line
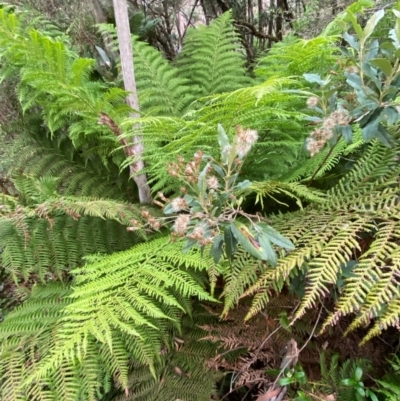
point(362, 207)
point(119, 307)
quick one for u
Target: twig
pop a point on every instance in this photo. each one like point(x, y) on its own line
point(301, 349)
point(190, 19)
point(313, 330)
point(254, 31)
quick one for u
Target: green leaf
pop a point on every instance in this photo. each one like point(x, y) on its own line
point(384, 136)
point(370, 130)
point(372, 395)
point(348, 382)
point(267, 250)
point(391, 114)
point(356, 25)
point(189, 244)
point(243, 185)
point(371, 24)
point(354, 81)
point(275, 237)
point(216, 249)
point(351, 40)
point(315, 78)
point(372, 73)
point(287, 380)
point(168, 209)
point(247, 240)
point(284, 321)
point(219, 170)
point(230, 243)
point(358, 373)
point(384, 64)
point(394, 34)
point(202, 182)
point(361, 391)
point(223, 142)
point(106, 60)
point(346, 132)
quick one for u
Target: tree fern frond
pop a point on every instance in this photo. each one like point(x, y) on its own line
point(53, 236)
point(121, 306)
point(296, 191)
point(264, 108)
point(364, 204)
point(210, 58)
point(317, 55)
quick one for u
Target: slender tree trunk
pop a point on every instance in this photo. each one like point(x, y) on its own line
point(128, 74)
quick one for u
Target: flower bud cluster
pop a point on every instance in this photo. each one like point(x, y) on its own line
point(318, 138)
point(190, 171)
point(207, 200)
point(244, 140)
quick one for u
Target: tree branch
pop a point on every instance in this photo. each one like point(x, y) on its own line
point(254, 31)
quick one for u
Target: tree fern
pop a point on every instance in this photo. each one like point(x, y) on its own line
point(327, 236)
point(264, 107)
point(54, 77)
point(317, 55)
point(121, 306)
point(210, 59)
point(50, 235)
point(161, 89)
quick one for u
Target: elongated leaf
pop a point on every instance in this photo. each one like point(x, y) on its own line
point(354, 81)
point(243, 185)
point(391, 114)
point(356, 25)
point(202, 182)
point(372, 22)
point(230, 243)
point(189, 244)
point(351, 40)
point(384, 136)
point(267, 250)
point(346, 132)
point(223, 142)
point(216, 249)
point(106, 60)
point(384, 64)
point(370, 130)
point(219, 170)
point(247, 240)
point(314, 78)
point(275, 237)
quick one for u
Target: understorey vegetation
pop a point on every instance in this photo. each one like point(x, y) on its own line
point(265, 262)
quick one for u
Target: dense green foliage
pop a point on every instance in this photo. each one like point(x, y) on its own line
point(101, 302)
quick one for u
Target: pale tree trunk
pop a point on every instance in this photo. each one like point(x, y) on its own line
point(128, 74)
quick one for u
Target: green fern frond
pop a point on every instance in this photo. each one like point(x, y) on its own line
point(317, 55)
point(161, 88)
point(51, 237)
point(210, 58)
point(327, 235)
point(263, 107)
point(121, 307)
point(181, 373)
point(294, 190)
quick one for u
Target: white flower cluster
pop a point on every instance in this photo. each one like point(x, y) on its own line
point(244, 140)
point(320, 136)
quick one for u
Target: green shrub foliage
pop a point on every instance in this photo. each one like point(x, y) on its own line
point(102, 302)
